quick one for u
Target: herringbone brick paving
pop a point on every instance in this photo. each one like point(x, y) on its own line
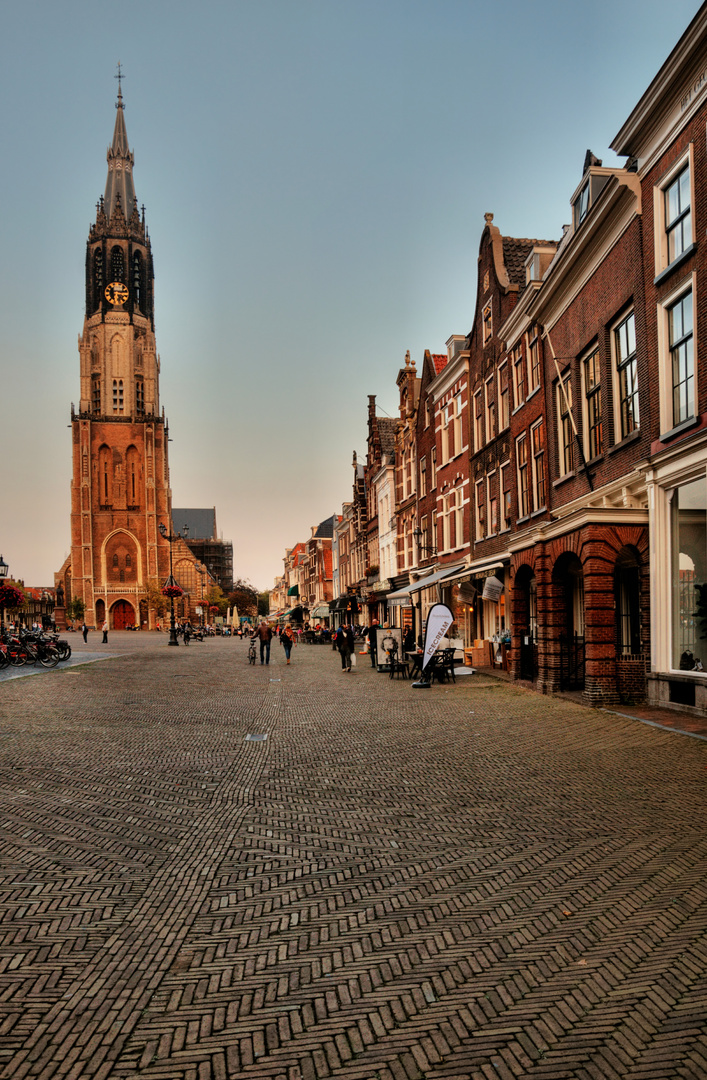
point(468, 882)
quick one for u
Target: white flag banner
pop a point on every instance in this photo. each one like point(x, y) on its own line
point(439, 620)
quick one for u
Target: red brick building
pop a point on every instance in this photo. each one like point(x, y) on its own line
point(664, 141)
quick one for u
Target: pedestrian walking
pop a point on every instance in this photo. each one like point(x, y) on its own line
point(287, 640)
point(372, 636)
point(264, 635)
point(346, 644)
point(105, 633)
point(84, 629)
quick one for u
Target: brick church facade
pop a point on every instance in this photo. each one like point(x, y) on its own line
point(120, 490)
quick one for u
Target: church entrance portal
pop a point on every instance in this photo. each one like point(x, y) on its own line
point(123, 615)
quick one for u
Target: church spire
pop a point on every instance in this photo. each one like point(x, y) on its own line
point(119, 184)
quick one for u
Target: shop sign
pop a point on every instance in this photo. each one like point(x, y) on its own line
point(492, 589)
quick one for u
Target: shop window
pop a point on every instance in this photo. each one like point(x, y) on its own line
point(627, 603)
point(689, 574)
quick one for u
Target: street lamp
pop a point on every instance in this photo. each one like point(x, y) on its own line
point(172, 625)
point(3, 574)
point(418, 534)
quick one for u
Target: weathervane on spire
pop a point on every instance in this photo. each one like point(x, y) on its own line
point(120, 78)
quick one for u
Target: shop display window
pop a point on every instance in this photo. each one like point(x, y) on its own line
point(689, 572)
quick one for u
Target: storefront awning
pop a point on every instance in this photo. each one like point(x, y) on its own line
point(424, 583)
point(293, 590)
point(321, 611)
point(481, 570)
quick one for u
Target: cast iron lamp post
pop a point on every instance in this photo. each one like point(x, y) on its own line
point(3, 574)
point(170, 540)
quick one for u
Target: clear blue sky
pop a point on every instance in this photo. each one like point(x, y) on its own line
point(315, 174)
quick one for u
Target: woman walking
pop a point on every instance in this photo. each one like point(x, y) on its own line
point(287, 640)
point(345, 644)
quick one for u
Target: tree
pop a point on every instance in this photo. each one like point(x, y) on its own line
point(156, 601)
point(244, 596)
point(264, 603)
point(215, 598)
point(75, 609)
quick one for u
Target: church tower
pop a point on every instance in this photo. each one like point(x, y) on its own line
point(120, 489)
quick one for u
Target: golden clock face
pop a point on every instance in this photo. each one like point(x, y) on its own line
point(116, 293)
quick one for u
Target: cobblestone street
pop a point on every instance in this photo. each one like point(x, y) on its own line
point(468, 882)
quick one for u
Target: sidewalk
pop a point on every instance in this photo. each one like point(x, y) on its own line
point(671, 719)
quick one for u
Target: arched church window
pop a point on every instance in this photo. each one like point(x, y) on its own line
point(137, 278)
point(117, 264)
point(98, 281)
point(128, 560)
point(117, 395)
point(140, 398)
point(96, 393)
point(115, 559)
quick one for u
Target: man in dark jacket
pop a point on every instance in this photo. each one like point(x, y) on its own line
point(264, 634)
point(346, 644)
point(372, 636)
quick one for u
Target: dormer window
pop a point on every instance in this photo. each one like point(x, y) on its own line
point(581, 206)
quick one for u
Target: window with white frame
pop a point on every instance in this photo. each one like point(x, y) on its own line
point(480, 506)
point(490, 409)
point(504, 411)
point(424, 537)
point(448, 506)
point(593, 425)
point(459, 520)
point(624, 341)
point(423, 477)
point(487, 323)
point(458, 440)
point(673, 211)
point(518, 376)
point(565, 431)
point(433, 468)
point(533, 361)
point(505, 495)
point(478, 421)
point(433, 530)
point(537, 442)
point(682, 367)
point(492, 503)
point(678, 215)
point(523, 477)
point(428, 412)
